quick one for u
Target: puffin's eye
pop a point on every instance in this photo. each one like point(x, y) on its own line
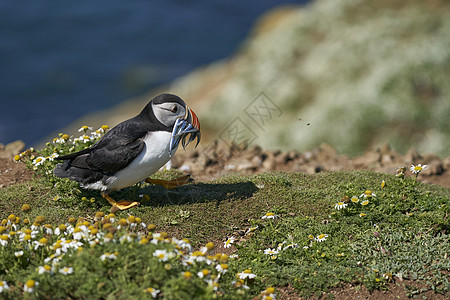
point(174, 109)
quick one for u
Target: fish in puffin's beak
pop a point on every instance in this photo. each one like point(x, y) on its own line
point(189, 125)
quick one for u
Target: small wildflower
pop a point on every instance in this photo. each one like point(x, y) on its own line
point(269, 215)
point(16, 159)
point(4, 239)
point(321, 238)
point(365, 202)
point(209, 246)
point(271, 251)
point(38, 161)
point(401, 172)
point(368, 194)
point(18, 253)
point(311, 237)
point(85, 128)
point(417, 169)
point(30, 285)
point(108, 255)
point(354, 199)
point(340, 205)
point(163, 255)
point(152, 291)
point(246, 274)
point(387, 276)
point(26, 207)
point(222, 268)
point(203, 273)
point(251, 229)
point(66, 270)
point(383, 184)
point(53, 156)
point(240, 284)
point(44, 269)
point(3, 286)
point(268, 294)
point(228, 242)
point(362, 215)
point(187, 274)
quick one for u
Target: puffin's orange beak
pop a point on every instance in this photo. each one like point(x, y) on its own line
point(192, 117)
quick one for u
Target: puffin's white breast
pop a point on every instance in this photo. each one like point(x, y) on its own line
point(154, 155)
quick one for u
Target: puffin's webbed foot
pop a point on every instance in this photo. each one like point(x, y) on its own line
point(170, 184)
point(122, 205)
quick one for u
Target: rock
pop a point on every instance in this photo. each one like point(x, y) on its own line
point(245, 165)
point(412, 156)
point(385, 149)
point(369, 158)
point(326, 152)
point(256, 161)
point(269, 163)
point(446, 163)
point(282, 159)
point(434, 167)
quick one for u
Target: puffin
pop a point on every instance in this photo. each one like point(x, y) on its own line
point(133, 150)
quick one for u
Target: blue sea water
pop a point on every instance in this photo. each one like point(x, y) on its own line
point(62, 59)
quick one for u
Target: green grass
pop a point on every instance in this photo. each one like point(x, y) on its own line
point(403, 234)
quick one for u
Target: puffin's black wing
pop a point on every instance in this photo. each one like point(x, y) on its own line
point(115, 150)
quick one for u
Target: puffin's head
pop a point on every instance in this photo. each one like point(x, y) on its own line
point(173, 112)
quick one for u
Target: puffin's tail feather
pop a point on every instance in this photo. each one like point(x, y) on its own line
point(81, 175)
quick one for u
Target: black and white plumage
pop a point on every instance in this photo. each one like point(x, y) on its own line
point(134, 149)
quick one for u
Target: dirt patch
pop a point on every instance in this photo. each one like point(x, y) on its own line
point(220, 158)
point(10, 171)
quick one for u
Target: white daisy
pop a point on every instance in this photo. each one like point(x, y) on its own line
point(153, 292)
point(340, 205)
point(320, 238)
point(66, 270)
point(227, 243)
point(269, 215)
point(29, 286)
point(271, 251)
point(3, 286)
point(417, 169)
point(367, 194)
point(38, 161)
point(85, 128)
point(246, 274)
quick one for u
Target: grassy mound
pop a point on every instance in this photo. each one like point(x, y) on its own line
point(282, 229)
point(235, 237)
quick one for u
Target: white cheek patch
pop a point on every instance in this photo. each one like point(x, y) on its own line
point(164, 115)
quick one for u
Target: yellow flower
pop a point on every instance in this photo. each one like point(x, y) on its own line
point(30, 286)
point(355, 199)
point(187, 274)
point(365, 202)
point(26, 207)
point(123, 222)
point(322, 237)
point(209, 246)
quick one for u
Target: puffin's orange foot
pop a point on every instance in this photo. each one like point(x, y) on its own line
point(123, 204)
point(170, 184)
